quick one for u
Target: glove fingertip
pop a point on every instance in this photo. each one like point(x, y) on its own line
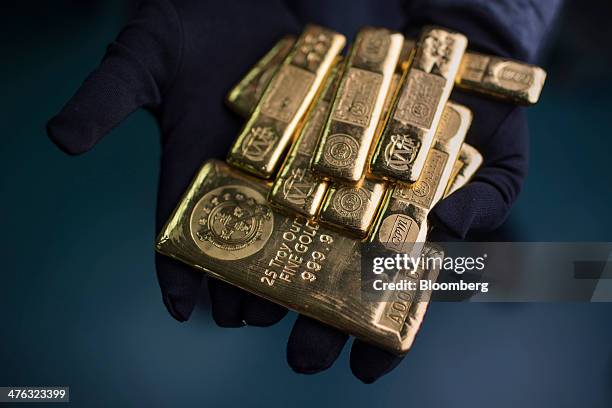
point(369, 363)
point(313, 347)
point(68, 137)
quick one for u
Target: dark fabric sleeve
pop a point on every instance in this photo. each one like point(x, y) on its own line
point(513, 28)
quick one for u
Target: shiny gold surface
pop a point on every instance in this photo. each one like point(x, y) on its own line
point(244, 96)
point(225, 227)
point(270, 129)
point(260, 234)
point(296, 187)
point(465, 167)
point(344, 146)
point(501, 78)
point(402, 223)
point(516, 81)
point(352, 208)
point(404, 144)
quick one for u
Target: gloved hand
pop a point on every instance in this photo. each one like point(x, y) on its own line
point(178, 59)
point(499, 132)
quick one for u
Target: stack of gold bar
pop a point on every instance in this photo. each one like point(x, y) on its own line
point(338, 152)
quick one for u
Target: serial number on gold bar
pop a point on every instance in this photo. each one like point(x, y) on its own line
point(270, 129)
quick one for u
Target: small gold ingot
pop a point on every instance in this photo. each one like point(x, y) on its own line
point(401, 225)
point(498, 83)
point(344, 146)
point(352, 208)
point(404, 144)
point(244, 96)
point(296, 187)
point(270, 129)
point(501, 78)
point(225, 227)
point(465, 167)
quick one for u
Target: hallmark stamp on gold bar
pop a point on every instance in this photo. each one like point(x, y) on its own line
point(270, 129)
point(352, 208)
point(344, 146)
point(403, 146)
point(296, 187)
point(402, 223)
point(225, 227)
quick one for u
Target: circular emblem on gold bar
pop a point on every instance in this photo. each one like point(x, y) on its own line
point(349, 201)
point(341, 150)
point(231, 222)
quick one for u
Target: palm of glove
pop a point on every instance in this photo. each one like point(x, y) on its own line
point(178, 60)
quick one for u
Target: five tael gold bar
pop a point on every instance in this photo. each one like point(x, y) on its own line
point(271, 128)
point(344, 146)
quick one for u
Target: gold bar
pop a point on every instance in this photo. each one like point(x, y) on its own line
point(225, 227)
point(344, 146)
point(402, 223)
point(402, 149)
point(268, 133)
point(244, 96)
point(296, 187)
point(505, 79)
point(352, 208)
point(465, 167)
point(501, 78)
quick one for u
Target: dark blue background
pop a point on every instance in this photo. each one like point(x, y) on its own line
point(80, 305)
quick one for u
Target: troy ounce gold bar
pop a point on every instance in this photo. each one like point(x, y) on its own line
point(403, 146)
point(270, 129)
point(296, 187)
point(344, 146)
point(465, 167)
point(402, 223)
point(244, 96)
point(225, 227)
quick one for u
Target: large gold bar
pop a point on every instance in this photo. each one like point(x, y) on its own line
point(225, 227)
point(501, 78)
point(352, 208)
point(270, 129)
point(296, 187)
point(465, 167)
point(244, 96)
point(402, 149)
point(344, 147)
point(402, 223)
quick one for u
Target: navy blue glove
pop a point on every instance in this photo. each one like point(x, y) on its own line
point(178, 60)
